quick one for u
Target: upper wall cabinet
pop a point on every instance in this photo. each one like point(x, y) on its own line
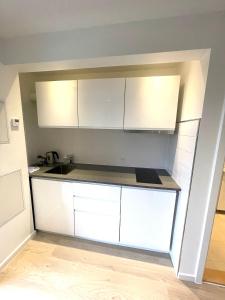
point(151, 102)
point(3, 124)
point(57, 103)
point(101, 103)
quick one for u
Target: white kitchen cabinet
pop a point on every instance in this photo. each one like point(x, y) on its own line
point(101, 103)
point(147, 218)
point(57, 103)
point(151, 102)
point(97, 212)
point(134, 217)
point(53, 206)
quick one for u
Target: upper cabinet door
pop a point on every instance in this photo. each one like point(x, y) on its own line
point(101, 103)
point(57, 103)
point(151, 102)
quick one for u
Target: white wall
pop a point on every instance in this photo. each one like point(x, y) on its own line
point(151, 36)
point(181, 170)
point(29, 107)
point(183, 33)
point(183, 144)
point(206, 155)
point(193, 82)
point(13, 157)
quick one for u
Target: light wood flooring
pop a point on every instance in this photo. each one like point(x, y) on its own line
point(215, 265)
point(51, 267)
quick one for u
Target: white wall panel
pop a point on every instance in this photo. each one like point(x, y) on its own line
point(11, 196)
point(182, 172)
point(13, 157)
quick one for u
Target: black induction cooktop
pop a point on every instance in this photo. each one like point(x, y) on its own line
point(147, 176)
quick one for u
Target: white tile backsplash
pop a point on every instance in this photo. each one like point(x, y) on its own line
point(181, 170)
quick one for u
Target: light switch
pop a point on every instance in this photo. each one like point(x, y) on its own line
point(15, 123)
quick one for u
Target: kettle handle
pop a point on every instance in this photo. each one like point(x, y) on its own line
point(55, 155)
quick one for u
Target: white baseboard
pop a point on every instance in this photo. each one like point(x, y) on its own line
point(186, 277)
point(15, 251)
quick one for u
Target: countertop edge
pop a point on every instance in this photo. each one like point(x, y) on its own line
point(178, 189)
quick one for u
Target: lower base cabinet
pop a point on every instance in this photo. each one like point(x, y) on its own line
point(147, 218)
point(53, 206)
point(134, 217)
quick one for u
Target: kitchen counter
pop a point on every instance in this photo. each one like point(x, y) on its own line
point(124, 176)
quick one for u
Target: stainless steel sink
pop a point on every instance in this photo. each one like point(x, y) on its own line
point(62, 169)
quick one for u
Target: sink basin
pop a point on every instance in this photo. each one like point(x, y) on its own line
point(62, 169)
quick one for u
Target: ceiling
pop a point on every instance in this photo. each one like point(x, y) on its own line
point(25, 17)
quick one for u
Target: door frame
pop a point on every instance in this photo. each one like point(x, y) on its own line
point(212, 200)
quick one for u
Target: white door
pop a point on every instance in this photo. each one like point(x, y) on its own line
point(57, 103)
point(151, 102)
point(101, 103)
point(53, 206)
point(147, 218)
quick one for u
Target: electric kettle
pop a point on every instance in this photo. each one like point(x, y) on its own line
point(52, 157)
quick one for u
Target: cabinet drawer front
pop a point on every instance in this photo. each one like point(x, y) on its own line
point(97, 227)
point(138, 199)
point(97, 191)
point(147, 218)
point(101, 206)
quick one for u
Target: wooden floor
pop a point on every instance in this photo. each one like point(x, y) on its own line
point(215, 265)
point(51, 267)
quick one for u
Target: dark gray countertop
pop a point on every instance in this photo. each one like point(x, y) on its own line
point(124, 176)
